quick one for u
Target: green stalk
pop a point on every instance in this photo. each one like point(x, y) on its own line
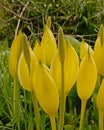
point(30, 123)
point(83, 107)
point(16, 102)
point(62, 100)
point(61, 50)
point(53, 124)
point(36, 110)
point(15, 98)
point(100, 120)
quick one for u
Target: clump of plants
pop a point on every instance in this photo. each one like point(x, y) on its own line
point(51, 71)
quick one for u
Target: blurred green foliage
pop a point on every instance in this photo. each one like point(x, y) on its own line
point(77, 17)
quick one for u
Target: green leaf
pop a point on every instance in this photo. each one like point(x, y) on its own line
point(86, 126)
point(68, 127)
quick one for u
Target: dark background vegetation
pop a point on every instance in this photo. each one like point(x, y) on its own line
point(77, 17)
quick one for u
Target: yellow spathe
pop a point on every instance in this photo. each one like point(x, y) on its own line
point(84, 49)
point(25, 71)
point(99, 56)
point(48, 45)
point(100, 97)
point(87, 77)
point(38, 50)
point(15, 52)
point(46, 90)
point(71, 65)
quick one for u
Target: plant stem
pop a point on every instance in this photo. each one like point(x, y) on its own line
point(16, 103)
point(36, 110)
point(53, 124)
point(15, 99)
point(83, 107)
point(100, 120)
point(62, 100)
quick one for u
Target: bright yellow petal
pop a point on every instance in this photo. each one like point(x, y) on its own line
point(45, 90)
point(49, 46)
point(15, 52)
point(38, 51)
point(99, 56)
point(33, 63)
point(84, 49)
point(100, 97)
point(87, 77)
point(23, 73)
point(71, 66)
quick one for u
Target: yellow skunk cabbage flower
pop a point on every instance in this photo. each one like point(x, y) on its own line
point(15, 52)
point(26, 67)
point(84, 49)
point(46, 90)
point(100, 105)
point(25, 72)
point(86, 81)
point(99, 54)
point(48, 45)
point(100, 97)
point(71, 65)
point(38, 51)
point(87, 77)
